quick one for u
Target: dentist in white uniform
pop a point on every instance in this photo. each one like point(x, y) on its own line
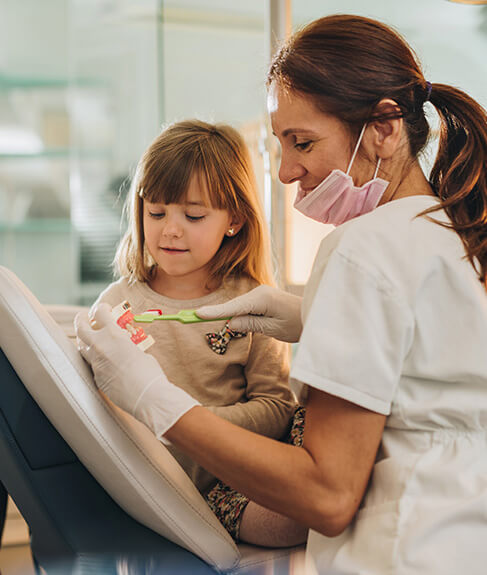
point(392, 477)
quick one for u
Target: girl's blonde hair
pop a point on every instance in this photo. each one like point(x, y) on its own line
point(218, 155)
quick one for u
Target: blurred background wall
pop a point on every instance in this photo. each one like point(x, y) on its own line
point(85, 85)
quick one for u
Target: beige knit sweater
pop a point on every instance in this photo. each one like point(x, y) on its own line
point(248, 385)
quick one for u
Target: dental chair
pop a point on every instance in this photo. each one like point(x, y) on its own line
point(3, 508)
point(99, 493)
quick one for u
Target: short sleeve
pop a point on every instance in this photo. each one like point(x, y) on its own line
point(356, 335)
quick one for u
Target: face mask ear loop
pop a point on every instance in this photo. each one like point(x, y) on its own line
point(356, 149)
point(377, 168)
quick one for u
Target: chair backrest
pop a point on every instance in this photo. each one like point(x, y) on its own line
point(3, 508)
point(75, 526)
point(122, 455)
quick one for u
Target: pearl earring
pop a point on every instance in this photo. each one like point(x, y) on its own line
point(231, 231)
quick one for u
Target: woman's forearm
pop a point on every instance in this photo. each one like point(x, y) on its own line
point(319, 485)
point(269, 472)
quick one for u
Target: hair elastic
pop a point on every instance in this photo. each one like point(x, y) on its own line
point(429, 87)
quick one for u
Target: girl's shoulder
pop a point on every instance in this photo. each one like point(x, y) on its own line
point(119, 291)
point(235, 286)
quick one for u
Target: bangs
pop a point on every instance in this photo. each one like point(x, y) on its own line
point(214, 173)
point(164, 180)
point(167, 175)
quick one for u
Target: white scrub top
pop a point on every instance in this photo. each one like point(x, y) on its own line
point(396, 321)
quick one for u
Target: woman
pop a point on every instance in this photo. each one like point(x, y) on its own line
point(392, 477)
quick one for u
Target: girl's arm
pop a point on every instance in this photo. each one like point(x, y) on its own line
point(269, 404)
point(319, 485)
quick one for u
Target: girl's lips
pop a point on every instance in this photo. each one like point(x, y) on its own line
point(174, 251)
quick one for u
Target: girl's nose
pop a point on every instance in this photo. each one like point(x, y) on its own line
point(290, 170)
point(172, 227)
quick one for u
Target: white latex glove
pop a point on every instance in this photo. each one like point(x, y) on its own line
point(265, 309)
point(129, 377)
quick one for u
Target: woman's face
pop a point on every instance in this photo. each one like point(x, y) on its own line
point(313, 143)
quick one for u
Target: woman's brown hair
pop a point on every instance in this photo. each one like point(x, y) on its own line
point(218, 155)
point(347, 64)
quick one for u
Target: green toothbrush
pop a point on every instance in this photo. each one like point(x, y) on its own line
point(184, 316)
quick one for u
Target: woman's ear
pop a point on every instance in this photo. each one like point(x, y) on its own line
point(385, 135)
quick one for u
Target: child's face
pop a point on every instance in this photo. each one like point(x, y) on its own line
point(183, 238)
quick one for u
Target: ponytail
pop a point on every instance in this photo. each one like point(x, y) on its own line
point(459, 174)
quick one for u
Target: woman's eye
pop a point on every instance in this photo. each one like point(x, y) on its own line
point(194, 218)
point(303, 146)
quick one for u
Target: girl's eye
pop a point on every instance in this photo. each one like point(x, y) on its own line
point(194, 218)
point(157, 215)
point(303, 146)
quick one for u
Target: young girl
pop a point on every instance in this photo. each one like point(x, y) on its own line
point(196, 237)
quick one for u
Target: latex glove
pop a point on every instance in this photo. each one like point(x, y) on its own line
point(129, 377)
point(265, 309)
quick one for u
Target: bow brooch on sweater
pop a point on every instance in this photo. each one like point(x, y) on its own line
point(219, 341)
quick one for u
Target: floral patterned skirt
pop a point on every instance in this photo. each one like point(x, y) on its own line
point(228, 504)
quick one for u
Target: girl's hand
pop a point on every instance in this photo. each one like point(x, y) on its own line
point(129, 377)
point(265, 309)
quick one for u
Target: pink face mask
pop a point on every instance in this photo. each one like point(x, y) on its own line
point(337, 200)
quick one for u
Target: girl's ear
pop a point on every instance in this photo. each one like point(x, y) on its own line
point(385, 135)
point(234, 227)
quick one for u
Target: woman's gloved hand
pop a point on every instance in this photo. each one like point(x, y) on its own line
point(265, 309)
point(129, 377)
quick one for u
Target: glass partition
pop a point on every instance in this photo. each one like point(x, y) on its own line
point(86, 85)
point(36, 238)
point(115, 48)
point(82, 95)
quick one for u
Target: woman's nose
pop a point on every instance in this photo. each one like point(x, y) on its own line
point(290, 170)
